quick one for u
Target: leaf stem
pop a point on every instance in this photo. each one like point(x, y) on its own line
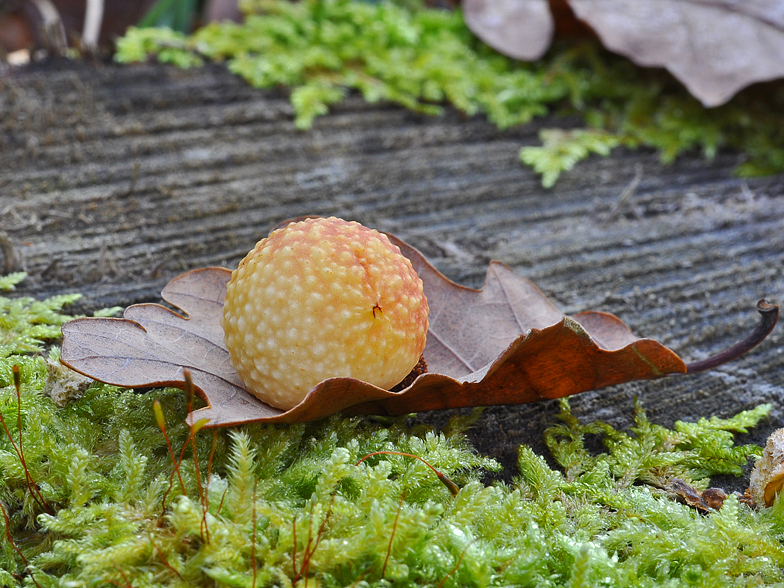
point(769, 314)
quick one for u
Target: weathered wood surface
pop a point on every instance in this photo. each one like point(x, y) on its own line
point(116, 179)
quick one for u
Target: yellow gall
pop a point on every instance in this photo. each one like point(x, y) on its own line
point(318, 299)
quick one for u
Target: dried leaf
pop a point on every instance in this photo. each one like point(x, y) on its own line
point(504, 344)
point(767, 477)
point(710, 499)
point(714, 47)
point(522, 29)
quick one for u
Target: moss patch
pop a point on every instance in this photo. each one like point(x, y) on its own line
point(285, 505)
point(422, 58)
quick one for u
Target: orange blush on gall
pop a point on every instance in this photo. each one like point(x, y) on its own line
point(318, 299)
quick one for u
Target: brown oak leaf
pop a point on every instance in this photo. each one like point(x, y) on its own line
point(714, 47)
point(503, 344)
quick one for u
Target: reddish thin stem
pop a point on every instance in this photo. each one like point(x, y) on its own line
point(203, 528)
point(162, 426)
point(457, 565)
point(392, 536)
point(18, 449)
point(18, 387)
point(182, 456)
point(31, 485)
point(13, 545)
point(211, 458)
point(166, 494)
point(307, 546)
point(303, 571)
point(769, 314)
point(123, 576)
point(294, 548)
point(358, 580)
point(220, 504)
point(253, 537)
point(167, 564)
point(451, 486)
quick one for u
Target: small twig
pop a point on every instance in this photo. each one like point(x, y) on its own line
point(132, 185)
point(106, 265)
point(155, 272)
point(50, 269)
point(769, 314)
point(748, 195)
point(708, 500)
point(11, 261)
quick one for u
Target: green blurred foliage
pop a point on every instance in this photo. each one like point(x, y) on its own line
point(422, 58)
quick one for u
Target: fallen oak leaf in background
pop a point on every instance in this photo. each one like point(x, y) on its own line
point(503, 344)
point(521, 30)
point(714, 47)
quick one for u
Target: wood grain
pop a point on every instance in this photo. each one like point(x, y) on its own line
point(115, 179)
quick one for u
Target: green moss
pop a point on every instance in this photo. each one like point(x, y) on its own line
point(285, 505)
point(10, 281)
point(561, 150)
point(25, 323)
point(422, 58)
point(653, 454)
